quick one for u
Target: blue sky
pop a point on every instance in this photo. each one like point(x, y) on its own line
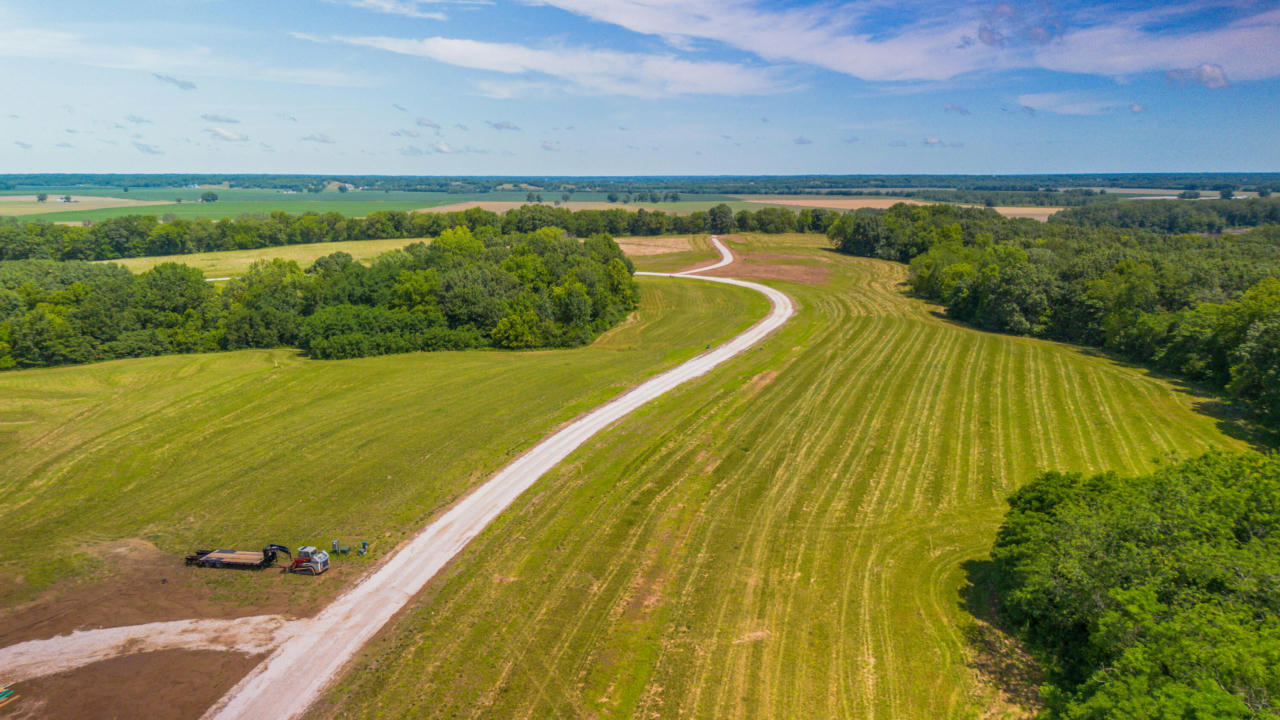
point(621, 87)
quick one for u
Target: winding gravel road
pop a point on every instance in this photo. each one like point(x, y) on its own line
point(311, 653)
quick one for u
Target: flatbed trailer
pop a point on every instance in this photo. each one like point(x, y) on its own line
point(241, 559)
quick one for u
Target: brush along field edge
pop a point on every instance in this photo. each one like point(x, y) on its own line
point(313, 656)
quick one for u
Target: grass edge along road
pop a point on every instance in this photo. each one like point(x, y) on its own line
point(309, 661)
point(792, 536)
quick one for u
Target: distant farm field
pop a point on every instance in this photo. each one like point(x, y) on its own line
point(792, 536)
point(243, 448)
point(102, 203)
point(30, 205)
point(840, 202)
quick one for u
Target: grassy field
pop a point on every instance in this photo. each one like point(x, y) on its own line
point(789, 537)
point(238, 449)
point(235, 202)
point(229, 263)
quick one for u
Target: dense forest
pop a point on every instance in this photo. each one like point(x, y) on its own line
point(1201, 216)
point(463, 290)
point(1149, 597)
point(146, 235)
point(678, 183)
point(1204, 308)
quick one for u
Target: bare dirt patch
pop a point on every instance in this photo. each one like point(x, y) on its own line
point(756, 268)
point(165, 685)
point(641, 246)
point(28, 205)
point(146, 585)
point(832, 202)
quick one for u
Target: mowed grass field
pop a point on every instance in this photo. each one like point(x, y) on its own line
point(791, 536)
point(229, 263)
point(243, 448)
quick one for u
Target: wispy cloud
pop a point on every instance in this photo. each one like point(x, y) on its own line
point(1135, 108)
point(320, 138)
point(429, 123)
point(214, 118)
point(1067, 103)
point(23, 145)
point(401, 108)
point(405, 133)
point(405, 8)
point(1108, 40)
point(802, 140)
point(957, 109)
point(176, 82)
point(64, 145)
point(146, 149)
point(225, 135)
point(550, 146)
point(502, 125)
point(587, 70)
point(138, 120)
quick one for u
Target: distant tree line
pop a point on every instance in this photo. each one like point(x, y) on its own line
point(706, 185)
point(1206, 309)
point(463, 290)
point(1202, 216)
point(145, 235)
point(1152, 596)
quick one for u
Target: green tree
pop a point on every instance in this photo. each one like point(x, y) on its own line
point(720, 220)
point(208, 196)
point(42, 197)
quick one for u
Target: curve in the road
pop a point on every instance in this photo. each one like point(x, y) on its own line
point(293, 676)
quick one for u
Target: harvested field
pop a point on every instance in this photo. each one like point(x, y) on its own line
point(643, 246)
point(836, 202)
point(501, 206)
point(793, 535)
point(28, 205)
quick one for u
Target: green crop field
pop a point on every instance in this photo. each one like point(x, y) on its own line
point(242, 448)
point(233, 202)
point(791, 536)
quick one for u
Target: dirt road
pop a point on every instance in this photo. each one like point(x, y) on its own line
point(318, 649)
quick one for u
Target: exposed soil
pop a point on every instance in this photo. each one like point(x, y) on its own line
point(165, 685)
point(754, 269)
point(638, 246)
point(134, 593)
point(837, 202)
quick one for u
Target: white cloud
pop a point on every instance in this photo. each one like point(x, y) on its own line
point(52, 45)
point(406, 8)
point(320, 138)
point(502, 125)
point(225, 135)
point(550, 146)
point(940, 46)
point(23, 145)
point(213, 118)
point(146, 149)
point(585, 69)
point(1207, 74)
point(1135, 108)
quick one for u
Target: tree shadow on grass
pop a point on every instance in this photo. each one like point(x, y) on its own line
point(1231, 417)
point(999, 659)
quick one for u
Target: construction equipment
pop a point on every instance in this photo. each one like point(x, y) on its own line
point(310, 561)
point(240, 559)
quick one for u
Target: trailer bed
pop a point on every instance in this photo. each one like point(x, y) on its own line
point(234, 557)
